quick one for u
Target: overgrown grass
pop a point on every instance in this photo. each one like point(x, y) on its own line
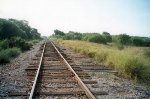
point(147, 53)
point(7, 54)
point(130, 62)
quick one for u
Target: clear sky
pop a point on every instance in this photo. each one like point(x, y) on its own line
point(114, 16)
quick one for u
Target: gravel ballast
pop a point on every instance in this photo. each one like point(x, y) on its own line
point(13, 78)
point(12, 75)
point(116, 87)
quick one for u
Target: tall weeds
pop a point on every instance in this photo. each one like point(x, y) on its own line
point(130, 62)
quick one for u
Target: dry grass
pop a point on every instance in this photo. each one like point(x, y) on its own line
point(131, 62)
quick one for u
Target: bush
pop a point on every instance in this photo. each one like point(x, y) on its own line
point(134, 68)
point(4, 44)
point(107, 36)
point(20, 43)
point(13, 52)
point(124, 39)
point(5, 55)
point(145, 74)
point(120, 46)
point(34, 41)
point(97, 39)
point(137, 42)
point(147, 53)
point(72, 36)
point(1, 48)
point(26, 46)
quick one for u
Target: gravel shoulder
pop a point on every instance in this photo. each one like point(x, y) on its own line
point(12, 75)
point(116, 87)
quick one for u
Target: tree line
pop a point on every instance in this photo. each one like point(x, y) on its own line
point(105, 37)
point(15, 36)
point(17, 28)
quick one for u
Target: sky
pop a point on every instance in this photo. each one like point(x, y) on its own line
point(114, 16)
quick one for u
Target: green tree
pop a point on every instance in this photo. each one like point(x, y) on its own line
point(107, 36)
point(94, 37)
point(73, 35)
point(58, 32)
point(17, 28)
point(124, 39)
point(137, 42)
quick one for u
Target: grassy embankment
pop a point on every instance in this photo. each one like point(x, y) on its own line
point(131, 62)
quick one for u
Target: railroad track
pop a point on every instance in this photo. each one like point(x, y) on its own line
point(50, 75)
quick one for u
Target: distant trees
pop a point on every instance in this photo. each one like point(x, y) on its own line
point(16, 33)
point(120, 40)
point(17, 28)
point(8, 30)
point(91, 37)
point(140, 41)
point(94, 37)
point(15, 36)
point(58, 32)
point(73, 36)
point(124, 39)
point(107, 36)
point(137, 42)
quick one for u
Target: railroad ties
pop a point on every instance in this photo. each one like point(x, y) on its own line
point(50, 75)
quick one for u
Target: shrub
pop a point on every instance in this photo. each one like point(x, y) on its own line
point(124, 39)
point(4, 57)
point(119, 46)
point(13, 52)
point(147, 53)
point(97, 39)
point(137, 41)
point(134, 68)
point(101, 56)
point(4, 44)
point(26, 46)
point(107, 36)
point(34, 41)
point(145, 74)
point(72, 36)
point(20, 43)
point(58, 32)
point(1, 48)
point(91, 54)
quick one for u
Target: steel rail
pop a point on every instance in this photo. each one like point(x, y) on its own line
point(37, 74)
point(81, 84)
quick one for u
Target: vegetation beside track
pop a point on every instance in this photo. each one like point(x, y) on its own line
point(131, 62)
point(16, 36)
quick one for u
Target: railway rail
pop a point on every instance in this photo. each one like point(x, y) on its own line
point(52, 74)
